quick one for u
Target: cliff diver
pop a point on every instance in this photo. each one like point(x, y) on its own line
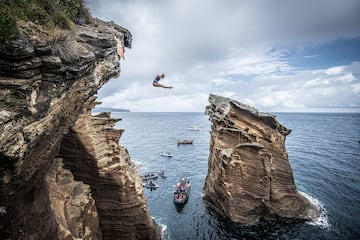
point(157, 79)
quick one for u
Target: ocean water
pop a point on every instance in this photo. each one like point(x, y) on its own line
point(323, 149)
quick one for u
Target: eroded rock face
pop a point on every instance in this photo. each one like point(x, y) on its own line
point(73, 206)
point(249, 176)
point(47, 81)
point(92, 152)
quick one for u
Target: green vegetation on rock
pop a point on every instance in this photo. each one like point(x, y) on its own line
point(49, 13)
point(8, 29)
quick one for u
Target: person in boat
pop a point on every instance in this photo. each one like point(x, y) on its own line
point(151, 183)
point(157, 79)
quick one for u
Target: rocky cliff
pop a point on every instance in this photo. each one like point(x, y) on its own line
point(249, 177)
point(63, 174)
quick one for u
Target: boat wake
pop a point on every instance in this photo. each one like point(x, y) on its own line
point(323, 220)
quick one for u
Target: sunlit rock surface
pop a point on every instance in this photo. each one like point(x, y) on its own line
point(92, 152)
point(62, 173)
point(249, 177)
point(72, 204)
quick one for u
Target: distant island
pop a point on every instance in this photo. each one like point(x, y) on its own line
point(109, 109)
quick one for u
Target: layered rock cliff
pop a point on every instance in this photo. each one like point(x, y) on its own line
point(63, 174)
point(249, 176)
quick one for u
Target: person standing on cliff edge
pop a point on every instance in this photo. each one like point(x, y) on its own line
point(157, 79)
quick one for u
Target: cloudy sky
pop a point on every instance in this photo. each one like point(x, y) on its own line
point(281, 55)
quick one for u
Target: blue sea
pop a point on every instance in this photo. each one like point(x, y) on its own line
point(324, 153)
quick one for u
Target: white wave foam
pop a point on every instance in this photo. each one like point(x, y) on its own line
point(137, 163)
point(323, 220)
point(162, 225)
point(163, 228)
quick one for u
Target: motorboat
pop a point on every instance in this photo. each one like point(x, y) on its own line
point(162, 174)
point(185, 141)
point(166, 154)
point(182, 192)
point(194, 129)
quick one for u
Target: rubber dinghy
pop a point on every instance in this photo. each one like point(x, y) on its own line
point(182, 192)
point(150, 176)
point(152, 185)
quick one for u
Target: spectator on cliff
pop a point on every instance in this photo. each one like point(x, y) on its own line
point(157, 79)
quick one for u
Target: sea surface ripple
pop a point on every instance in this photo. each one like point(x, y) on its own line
point(324, 153)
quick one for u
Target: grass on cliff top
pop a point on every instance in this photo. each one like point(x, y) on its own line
point(48, 13)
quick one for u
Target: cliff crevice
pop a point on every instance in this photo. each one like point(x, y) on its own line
point(92, 153)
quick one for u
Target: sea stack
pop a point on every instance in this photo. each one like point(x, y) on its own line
point(249, 176)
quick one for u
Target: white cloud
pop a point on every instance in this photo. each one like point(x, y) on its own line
point(280, 98)
point(335, 70)
point(356, 88)
point(255, 62)
point(231, 49)
point(296, 89)
point(167, 103)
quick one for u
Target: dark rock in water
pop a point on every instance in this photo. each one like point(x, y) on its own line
point(249, 176)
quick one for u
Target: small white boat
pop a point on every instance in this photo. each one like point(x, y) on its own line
point(162, 174)
point(194, 129)
point(166, 154)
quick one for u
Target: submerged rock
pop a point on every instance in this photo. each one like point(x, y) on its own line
point(249, 176)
